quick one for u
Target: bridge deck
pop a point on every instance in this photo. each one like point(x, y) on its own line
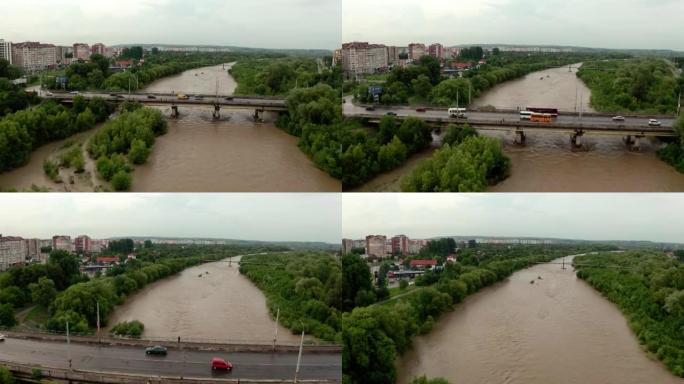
point(508, 125)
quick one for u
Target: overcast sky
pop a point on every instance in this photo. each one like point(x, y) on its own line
point(655, 217)
point(250, 216)
point(589, 23)
point(313, 24)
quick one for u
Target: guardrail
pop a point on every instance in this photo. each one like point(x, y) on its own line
point(25, 371)
point(186, 343)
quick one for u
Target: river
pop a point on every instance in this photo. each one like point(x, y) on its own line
point(221, 306)
point(557, 330)
point(547, 162)
point(199, 154)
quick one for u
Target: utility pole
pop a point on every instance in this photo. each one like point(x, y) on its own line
point(679, 103)
point(275, 336)
point(299, 358)
point(470, 87)
point(98, 321)
point(68, 346)
point(563, 267)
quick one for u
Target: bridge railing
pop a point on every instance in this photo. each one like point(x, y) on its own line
point(311, 344)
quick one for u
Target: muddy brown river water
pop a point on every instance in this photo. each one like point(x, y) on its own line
point(221, 305)
point(557, 330)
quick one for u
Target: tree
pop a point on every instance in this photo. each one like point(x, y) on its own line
point(43, 292)
point(421, 86)
point(356, 277)
point(392, 154)
point(456, 134)
point(6, 376)
point(449, 92)
point(369, 354)
point(121, 181)
point(139, 152)
point(7, 318)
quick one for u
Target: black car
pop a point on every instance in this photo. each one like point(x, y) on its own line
point(151, 96)
point(229, 98)
point(391, 114)
point(370, 108)
point(156, 350)
point(113, 94)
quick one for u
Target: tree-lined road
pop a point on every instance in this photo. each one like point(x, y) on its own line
point(131, 360)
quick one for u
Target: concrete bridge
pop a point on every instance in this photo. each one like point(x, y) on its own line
point(632, 129)
point(218, 102)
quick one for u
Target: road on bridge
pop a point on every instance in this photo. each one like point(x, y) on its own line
point(352, 110)
point(186, 363)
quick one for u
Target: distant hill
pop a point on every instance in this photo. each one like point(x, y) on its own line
point(224, 48)
point(618, 243)
point(633, 52)
point(294, 245)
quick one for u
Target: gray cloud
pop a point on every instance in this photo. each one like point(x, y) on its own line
point(249, 216)
point(590, 23)
point(655, 217)
point(254, 23)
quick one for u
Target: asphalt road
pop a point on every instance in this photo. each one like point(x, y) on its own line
point(115, 359)
point(351, 110)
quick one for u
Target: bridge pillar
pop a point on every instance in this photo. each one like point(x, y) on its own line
point(217, 112)
point(633, 143)
point(576, 139)
point(520, 137)
point(174, 111)
point(257, 115)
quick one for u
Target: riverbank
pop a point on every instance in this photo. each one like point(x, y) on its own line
point(540, 325)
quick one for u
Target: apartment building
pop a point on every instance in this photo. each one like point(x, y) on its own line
point(400, 245)
point(12, 252)
point(416, 51)
point(63, 243)
point(6, 50)
point(376, 245)
point(436, 50)
point(359, 58)
point(81, 51)
point(34, 56)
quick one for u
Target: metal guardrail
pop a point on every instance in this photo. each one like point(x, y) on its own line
point(84, 376)
point(311, 346)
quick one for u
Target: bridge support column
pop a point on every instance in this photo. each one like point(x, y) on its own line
point(217, 112)
point(174, 111)
point(576, 139)
point(633, 143)
point(520, 137)
point(257, 114)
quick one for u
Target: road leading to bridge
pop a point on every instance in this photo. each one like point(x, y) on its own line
point(115, 359)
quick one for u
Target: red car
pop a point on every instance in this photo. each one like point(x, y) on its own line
point(420, 109)
point(219, 363)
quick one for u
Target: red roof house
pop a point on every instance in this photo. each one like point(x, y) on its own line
point(108, 259)
point(423, 263)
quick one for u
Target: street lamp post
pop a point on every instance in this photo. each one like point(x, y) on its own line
point(299, 357)
point(275, 336)
point(68, 346)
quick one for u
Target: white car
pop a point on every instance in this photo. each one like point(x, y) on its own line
point(654, 123)
point(2, 337)
point(74, 93)
point(618, 118)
